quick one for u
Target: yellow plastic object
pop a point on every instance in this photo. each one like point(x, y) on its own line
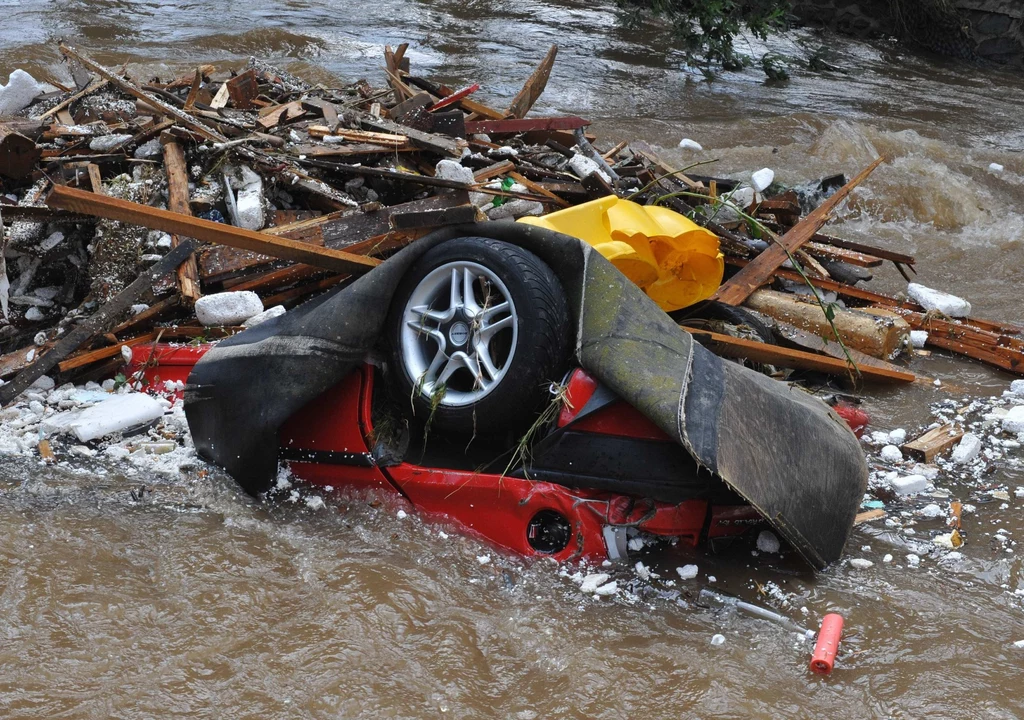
point(674, 260)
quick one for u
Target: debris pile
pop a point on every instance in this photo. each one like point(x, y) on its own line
point(143, 211)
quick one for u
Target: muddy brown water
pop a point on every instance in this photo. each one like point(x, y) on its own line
point(197, 602)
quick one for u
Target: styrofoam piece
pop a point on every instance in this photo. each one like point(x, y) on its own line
point(995, 168)
point(918, 338)
point(268, 314)
point(454, 171)
point(108, 143)
point(228, 308)
point(249, 201)
point(718, 639)
point(909, 484)
point(687, 572)
point(897, 436)
point(688, 144)
point(767, 542)
point(151, 149)
point(19, 92)
point(860, 563)
point(968, 448)
point(115, 414)
point(932, 510)
point(582, 167)
point(607, 589)
point(945, 303)
point(762, 179)
point(515, 209)
point(1017, 387)
point(1013, 422)
point(891, 454)
point(593, 581)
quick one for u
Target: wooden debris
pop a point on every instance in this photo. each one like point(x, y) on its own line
point(178, 201)
point(243, 89)
point(534, 86)
point(18, 154)
point(512, 127)
point(933, 443)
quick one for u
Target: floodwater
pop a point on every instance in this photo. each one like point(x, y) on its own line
point(197, 602)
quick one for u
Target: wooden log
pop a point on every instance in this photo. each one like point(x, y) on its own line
point(933, 443)
point(728, 346)
point(828, 252)
point(881, 337)
point(95, 324)
point(792, 336)
point(515, 126)
point(739, 287)
point(91, 356)
point(187, 274)
point(18, 154)
point(170, 222)
point(534, 86)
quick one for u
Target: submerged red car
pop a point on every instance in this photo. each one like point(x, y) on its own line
point(508, 380)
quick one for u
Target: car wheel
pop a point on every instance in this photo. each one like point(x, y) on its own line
point(478, 328)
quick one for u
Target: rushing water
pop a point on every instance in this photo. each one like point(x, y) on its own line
point(197, 602)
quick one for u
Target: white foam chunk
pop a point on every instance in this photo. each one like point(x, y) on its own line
point(919, 338)
point(861, 563)
point(19, 92)
point(249, 203)
point(118, 413)
point(593, 581)
point(1017, 387)
point(762, 179)
point(897, 436)
point(967, 449)
point(515, 209)
point(995, 168)
point(582, 167)
point(931, 510)
point(228, 308)
point(1013, 422)
point(767, 542)
point(717, 640)
point(688, 144)
point(891, 454)
point(108, 143)
point(945, 303)
point(455, 171)
point(607, 589)
point(268, 314)
point(687, 572)
point(909, 484)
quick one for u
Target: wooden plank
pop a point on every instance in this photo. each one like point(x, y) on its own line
point(170, 222)
point(497, 169)
point(128, 87)
point(458, 215)
point(18, 154)
point(828, 252)
point(454, 97)
point(539, 189)
point(534, 86)
point(803, 340)
point(441, 144)
point(95, 85)
point(357, 136)
point(759, 270)
point(187, 275)
point(95, 324)
point(933, 443)
point(89, 357)
point(243, 89)
point(728, 346)
point(348, 151)
point(515, 126)
point(95, 177)
point(868, 516)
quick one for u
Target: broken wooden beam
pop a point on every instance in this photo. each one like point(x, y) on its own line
point(18, 154)
point(728, 346)
point(933, 443)
point(534, 86)
point(171, 222)
point(178, 201)
point(243, 89)
point(515, 126)
point(759, 270)
point(441, 144)
point(96, 323)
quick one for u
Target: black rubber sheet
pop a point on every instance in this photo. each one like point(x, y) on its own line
point(784, 451)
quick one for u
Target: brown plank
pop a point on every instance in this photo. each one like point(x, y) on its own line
point(728, 346)
point(759, 270)
point(492, 171)
point(95, 177)
point(89, 357)
point(828, 252)
point(187, 274)
point(534, 86)
point(934, 442)
point(539, 189)
point(441, 144)
point(243, 89)
point(155, 219)
point(514, 126)
point(18, 154)
point(458, 215)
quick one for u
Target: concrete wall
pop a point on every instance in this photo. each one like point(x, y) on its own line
point(988, 29)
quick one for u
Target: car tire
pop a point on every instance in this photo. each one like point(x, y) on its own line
point(480, 359)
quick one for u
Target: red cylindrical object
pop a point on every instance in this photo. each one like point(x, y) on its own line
point(824, 657)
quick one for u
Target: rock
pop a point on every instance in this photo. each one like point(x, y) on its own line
point(688, 144)
point(43, 382)
point(995, 168)
point(607, 589)
point(455, 171)
point(19, 92)
point(767, 542)
point(687, 572)
point(582, 166)
point(593, 581)
point(945, 303)
point(1017, 387)
point(918, 338)
point(1013, 422)
point(34, 314)
point(909, 484)
point(108, 143)
point(717, 640)
point(861, 563)
point(268, 314)
point(891, 454)
point(967, 449)
point(228, 308)
point(762, 179)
